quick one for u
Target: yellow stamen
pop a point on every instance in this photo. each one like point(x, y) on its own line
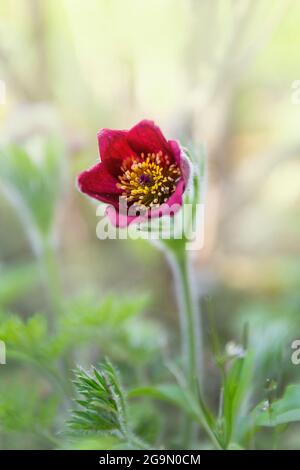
point(149, 179)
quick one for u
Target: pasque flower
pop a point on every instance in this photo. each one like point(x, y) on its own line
point(141, 174)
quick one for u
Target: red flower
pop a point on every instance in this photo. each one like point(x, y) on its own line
point(140, 173)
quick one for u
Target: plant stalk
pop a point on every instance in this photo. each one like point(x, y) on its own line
point(190, 323)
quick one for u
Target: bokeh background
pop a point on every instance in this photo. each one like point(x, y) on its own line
point(212, 72)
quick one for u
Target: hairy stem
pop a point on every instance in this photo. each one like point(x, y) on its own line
point(190, 324)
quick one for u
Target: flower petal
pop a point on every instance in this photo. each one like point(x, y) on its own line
point(118, 219)
point(97, 182)
point(114, 149)
point(170, 208)
point(172, 205)
point(177, 151)
point(147, 137)
point(119, 147)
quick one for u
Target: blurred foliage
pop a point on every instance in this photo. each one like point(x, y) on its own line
point(32, 182)
point(26, 412)
point(216, 71)
point(14, 281)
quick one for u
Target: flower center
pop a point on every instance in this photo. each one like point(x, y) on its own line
point(144, 179)
point(150, 180)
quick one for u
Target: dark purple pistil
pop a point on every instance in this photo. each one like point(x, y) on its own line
point(144, 179)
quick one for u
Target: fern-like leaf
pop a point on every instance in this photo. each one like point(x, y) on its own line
point(102, 402)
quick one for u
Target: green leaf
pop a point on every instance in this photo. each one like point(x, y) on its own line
point(283, 411)
point(102, 407)
point(171, 393)
point(182, 399)
point(236, 388)
point(111, 323)
point(29, 336)
point(176, 395)
point(102, 401)
point(111, 311)
point(32, 182)
point(29, 411)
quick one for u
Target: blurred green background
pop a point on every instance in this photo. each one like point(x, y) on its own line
point(217, 72)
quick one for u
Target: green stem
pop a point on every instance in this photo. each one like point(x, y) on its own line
point(191, 337)
point(190, 326)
